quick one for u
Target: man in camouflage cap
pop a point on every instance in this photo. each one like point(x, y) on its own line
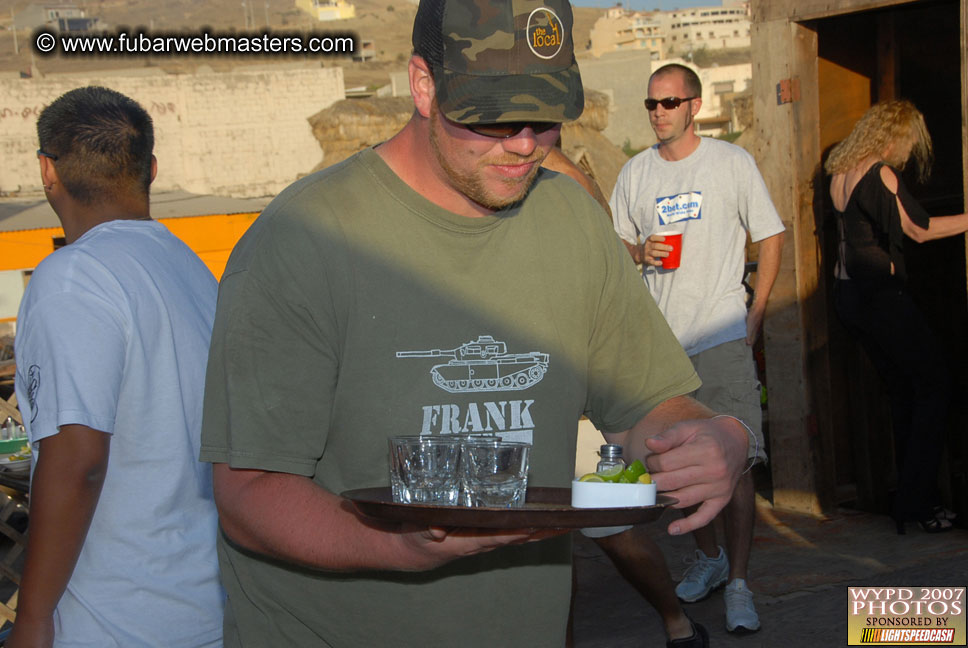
point(498, 62)
point(447, 233)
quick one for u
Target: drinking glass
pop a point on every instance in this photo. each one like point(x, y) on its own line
point(464, 497)
point(495, 473)
point(423, 469)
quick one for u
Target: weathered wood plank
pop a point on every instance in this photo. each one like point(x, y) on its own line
point(964, 98)
point(959, 482)
point(783, 50)
point(887, 55)
point(800, 10)
point(6, 409)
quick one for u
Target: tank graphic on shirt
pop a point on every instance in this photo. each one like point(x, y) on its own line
point(483, 365)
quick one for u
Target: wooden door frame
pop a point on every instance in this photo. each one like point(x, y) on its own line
point(788, 153)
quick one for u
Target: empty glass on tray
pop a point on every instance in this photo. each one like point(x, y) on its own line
point(494, 473)
point(424, 469)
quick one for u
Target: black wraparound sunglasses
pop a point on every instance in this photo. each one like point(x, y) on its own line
point(46, 154)
point(508, 129)
point(669, 103)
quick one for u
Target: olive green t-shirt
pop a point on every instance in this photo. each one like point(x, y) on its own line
point(353, 310)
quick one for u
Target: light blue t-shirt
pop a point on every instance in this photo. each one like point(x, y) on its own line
point(113, 334)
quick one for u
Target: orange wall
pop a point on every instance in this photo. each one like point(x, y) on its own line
point(211, 237)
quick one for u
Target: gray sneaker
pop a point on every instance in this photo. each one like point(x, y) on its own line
point(703, 576)
point(740, 614)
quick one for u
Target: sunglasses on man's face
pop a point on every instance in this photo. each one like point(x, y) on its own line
point(669, 103)
point(508, 129)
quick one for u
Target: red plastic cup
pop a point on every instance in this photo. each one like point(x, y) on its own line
point(674, 239)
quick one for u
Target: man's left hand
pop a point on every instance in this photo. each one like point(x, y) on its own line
point(698, 462)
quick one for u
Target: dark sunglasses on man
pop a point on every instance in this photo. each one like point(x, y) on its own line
point(669, 103)
point(508, 129)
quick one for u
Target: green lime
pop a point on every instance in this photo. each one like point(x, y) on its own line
point(635, 469)
point(645, 479)
point(591, 477)
point(611, 474)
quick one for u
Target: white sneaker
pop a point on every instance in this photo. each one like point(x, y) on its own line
point(705, 575)
point(740, 614)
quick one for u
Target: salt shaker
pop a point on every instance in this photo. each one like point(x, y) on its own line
point(9, 430)
point(611, 456)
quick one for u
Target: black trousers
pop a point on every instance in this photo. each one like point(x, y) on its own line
point(909, 358)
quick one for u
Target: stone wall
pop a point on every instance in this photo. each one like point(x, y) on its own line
point(243, 133)
point(354, 124)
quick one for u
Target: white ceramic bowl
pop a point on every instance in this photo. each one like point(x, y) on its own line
point(608, 495)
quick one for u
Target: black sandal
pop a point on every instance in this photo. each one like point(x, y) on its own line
point(942, 513)
point(935, 525)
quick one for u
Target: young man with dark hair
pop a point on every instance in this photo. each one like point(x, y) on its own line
point(450, 231)
point(112, 338)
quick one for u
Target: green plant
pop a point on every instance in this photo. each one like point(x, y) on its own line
point(730, 137)
point(628, 150)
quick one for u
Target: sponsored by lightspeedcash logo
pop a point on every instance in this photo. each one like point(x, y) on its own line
point(924, 616)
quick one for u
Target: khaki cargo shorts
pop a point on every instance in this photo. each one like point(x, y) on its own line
point(730, 386)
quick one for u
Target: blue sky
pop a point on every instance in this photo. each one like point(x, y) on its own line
point(648, 5)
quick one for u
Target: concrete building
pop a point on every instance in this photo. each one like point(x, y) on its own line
point(61, 17)
point(324, 10)
point(709, 27)
point(621, 31)
point(719, 85)
point(624, 77)
point(242, 133)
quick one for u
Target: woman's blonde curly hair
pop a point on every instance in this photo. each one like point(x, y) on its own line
point(884, 132)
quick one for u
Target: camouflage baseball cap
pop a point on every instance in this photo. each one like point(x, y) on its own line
point(500, 60)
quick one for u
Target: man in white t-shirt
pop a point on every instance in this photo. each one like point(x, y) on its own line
point(712, 193)
point(111, 346)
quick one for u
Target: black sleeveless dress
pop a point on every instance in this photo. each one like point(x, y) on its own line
point(871, 237)
point(875, 306)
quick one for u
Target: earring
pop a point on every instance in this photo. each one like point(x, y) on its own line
point(49, 187)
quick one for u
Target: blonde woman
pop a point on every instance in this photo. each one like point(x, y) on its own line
point(875, 212)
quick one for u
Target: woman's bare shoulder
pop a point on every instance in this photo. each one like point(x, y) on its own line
point(889, 178)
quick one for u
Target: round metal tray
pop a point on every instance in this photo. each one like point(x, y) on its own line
point(544, 507)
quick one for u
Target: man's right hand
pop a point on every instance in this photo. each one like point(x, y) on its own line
point(321, 530)
point(441, 545)
point(655, 250)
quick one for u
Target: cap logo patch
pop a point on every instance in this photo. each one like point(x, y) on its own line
point(545, 33)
